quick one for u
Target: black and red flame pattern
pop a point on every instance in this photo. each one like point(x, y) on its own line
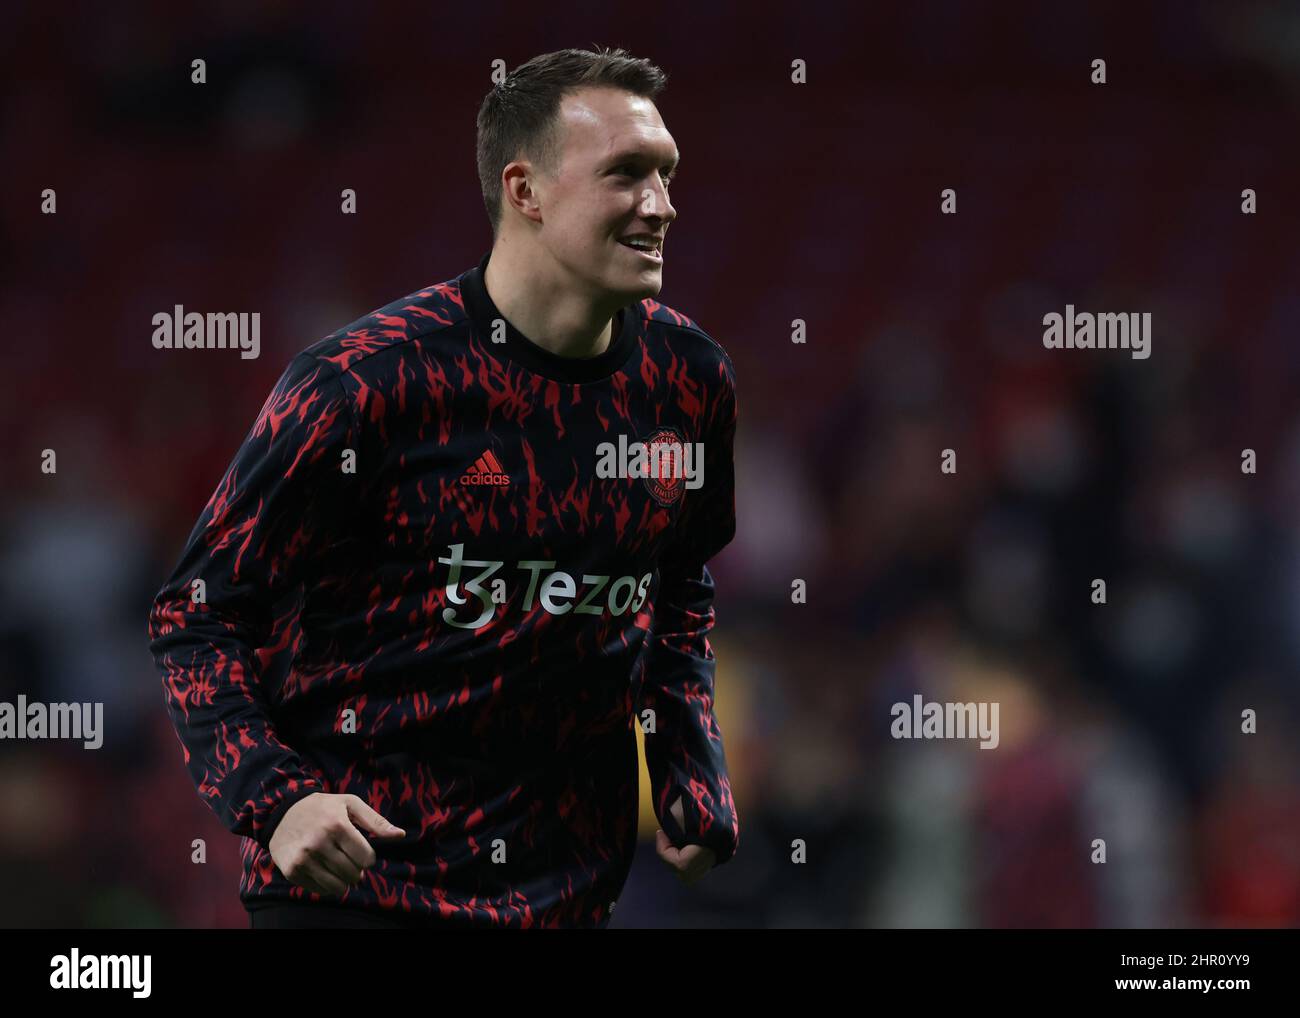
point(351, 635)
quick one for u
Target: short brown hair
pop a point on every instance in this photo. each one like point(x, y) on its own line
point(517, 117)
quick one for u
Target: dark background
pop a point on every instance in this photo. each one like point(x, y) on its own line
point(818, 202)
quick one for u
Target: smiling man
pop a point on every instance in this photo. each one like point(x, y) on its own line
point(476, 615)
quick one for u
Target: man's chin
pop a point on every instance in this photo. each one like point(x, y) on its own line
point(649, 285)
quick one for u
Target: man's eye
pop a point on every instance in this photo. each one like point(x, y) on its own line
point(631, 171)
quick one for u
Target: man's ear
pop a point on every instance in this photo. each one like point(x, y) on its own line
point(517, 189)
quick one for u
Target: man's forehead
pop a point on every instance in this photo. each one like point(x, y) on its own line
point(608, 121)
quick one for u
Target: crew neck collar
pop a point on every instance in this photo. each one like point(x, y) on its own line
point(523, 351)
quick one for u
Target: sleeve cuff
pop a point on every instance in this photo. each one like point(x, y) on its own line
point(263, 833)
point(722, 836)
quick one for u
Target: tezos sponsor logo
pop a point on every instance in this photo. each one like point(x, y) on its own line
point(553, 588)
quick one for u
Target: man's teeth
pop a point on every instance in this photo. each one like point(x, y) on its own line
point(642, 245)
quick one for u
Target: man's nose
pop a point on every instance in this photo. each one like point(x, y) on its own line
point(655, 202)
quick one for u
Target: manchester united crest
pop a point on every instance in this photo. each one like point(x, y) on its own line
point(666, 465)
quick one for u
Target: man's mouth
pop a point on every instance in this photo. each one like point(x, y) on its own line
point(645, 244)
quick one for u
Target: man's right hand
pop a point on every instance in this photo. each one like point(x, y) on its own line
point(318, 843)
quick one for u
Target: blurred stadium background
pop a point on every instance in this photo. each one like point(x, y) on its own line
point(817, 202)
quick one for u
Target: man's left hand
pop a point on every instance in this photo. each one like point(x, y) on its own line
point(690, 862)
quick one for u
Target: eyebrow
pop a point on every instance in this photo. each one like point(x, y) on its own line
point(637, 156)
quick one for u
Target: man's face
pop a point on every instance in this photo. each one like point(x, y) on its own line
point(610, 184)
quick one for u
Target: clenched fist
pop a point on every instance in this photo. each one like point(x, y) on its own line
point(690, 862)
point(318, 843)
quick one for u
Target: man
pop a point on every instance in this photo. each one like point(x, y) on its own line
point(486, 496)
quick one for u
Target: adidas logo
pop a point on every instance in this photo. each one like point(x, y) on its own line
point(487, 469)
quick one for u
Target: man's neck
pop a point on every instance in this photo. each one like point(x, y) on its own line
point(537, 304)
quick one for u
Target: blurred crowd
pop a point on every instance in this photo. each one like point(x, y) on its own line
point(1120, 722)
